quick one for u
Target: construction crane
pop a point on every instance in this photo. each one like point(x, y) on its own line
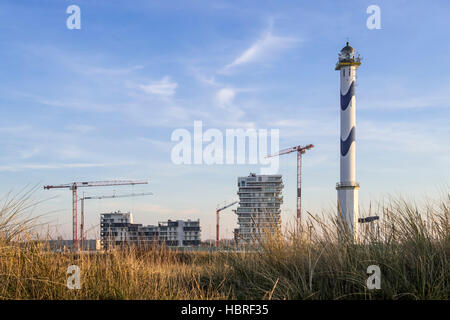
point(74, 187)
point(99, 198)
point(218, 219)
point(300, 151)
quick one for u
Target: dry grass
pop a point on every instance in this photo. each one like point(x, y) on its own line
point(32, 273)
point(411, 246)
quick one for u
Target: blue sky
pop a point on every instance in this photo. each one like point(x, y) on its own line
point(101, 103)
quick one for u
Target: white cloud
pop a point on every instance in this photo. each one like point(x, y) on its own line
point(263, 48)
point(225, 97)
point(163, 87)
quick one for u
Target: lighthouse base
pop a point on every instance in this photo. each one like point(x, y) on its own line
point(347, 205)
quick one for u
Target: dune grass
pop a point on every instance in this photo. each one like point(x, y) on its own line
point(411, 246)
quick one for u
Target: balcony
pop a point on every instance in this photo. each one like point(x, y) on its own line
point(348, 184)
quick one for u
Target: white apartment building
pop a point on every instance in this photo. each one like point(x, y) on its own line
point(260, 198)
point(180, 232)
point(117, 229)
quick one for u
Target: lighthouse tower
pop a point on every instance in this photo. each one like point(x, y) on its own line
point(347, 188)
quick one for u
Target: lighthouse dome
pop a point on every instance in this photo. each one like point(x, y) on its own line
point(347, 54)
point(347, 49)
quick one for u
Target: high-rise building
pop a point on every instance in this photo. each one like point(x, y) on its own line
point(118, 229)
point(259, 211)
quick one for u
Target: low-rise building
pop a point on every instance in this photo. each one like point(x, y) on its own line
point(118, 229)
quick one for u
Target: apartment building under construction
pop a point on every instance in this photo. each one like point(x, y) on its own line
point(260, 198)
point(118, 229)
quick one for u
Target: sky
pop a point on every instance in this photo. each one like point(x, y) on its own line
point(101, 102)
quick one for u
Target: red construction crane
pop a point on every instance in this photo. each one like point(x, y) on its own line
point(99, 198)
point(300, 150)
point(74, 187)
point(218, 219)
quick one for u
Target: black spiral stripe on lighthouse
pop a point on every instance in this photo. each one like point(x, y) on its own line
point(345, 99)
point(345, 102)
point(347, 143)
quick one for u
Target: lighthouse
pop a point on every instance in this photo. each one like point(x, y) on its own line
point(347, 188)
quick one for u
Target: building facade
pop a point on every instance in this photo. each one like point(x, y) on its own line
point(181, 233)
point(260, 198)
point(118, 229)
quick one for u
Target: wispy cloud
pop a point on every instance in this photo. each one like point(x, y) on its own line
point(408, 102)
point(267, 45)
point(29, 153)
point(289, 123)
point(225, 99)
point(400, 93)
point(15, 129)
point(81, 128)
point(164, 87)
point(202, 78)
point(70, 151)
point(22, 167)
point(163, 145)
point(405, 136)
point(70, 103)
point(80, 63)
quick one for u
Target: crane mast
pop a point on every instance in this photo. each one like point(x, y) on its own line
point(218, 219)
point(300, 151)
